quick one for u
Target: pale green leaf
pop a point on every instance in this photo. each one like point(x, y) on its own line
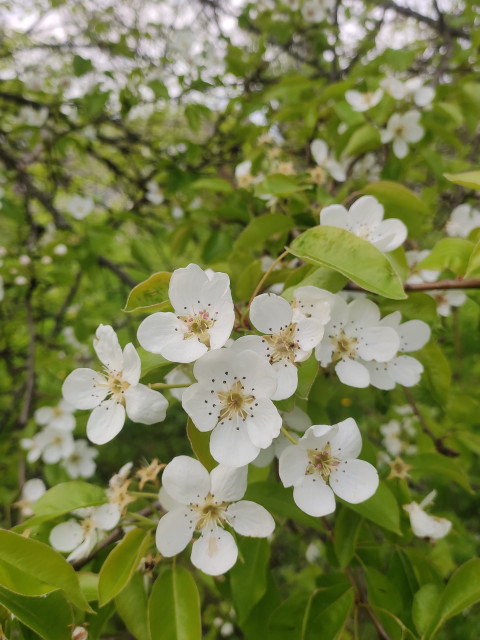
point(150, 295)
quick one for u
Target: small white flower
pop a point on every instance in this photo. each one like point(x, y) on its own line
point(312, 553)
point(80, 463)
point(20, 280)
point(60, 249)
point(51, 444)
point(122, 474)
point(463, 220)
point(416, 275)
point(233, 398)
point(365, 220)
point(243, 175)
point(203, 317)
point(422, 96)
point(198, 501)
point(154, 194)
point(60, 417)
point(46, 260)
point(177, 212)
point(286, 342)
point(366, 168)
point(32, 490)
point(115, 393)
point(353, 338)
point(316, 10)
point(320, 154)
point(394, 87)
point(79, 633)
point(79, 207)
point(226, 629)
point(79, 538)
point(24, 260)
point(33, 117)
point(363, 101)
point(293, 5)
point(423, 525)
point(327, 454)
point(403, 129)
point(448, 298)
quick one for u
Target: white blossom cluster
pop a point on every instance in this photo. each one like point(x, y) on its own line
point(236, 384)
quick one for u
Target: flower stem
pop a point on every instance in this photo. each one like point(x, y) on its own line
point(144, 494)
point(287, 435)
point(265, 276)
point(163, 385)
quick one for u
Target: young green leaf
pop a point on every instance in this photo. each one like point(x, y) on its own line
point(150, 295)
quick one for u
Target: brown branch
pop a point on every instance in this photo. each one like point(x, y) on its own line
point(67, 302)
point(362, 600)
point(124, 277)
point(30, 383)
point(428, 286)
point(438, 25)
point(439, 446)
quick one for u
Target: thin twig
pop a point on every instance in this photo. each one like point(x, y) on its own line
point(428, 286)
point(118, 271)
point(265, 276)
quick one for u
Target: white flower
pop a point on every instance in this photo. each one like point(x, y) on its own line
point(116, 392)
point(198, 501)
point(122, 474)
point(233, 398)
point(422, 96)
point(423, 525)
point(154, 194)
point(79, 538)
point(33, 117)
point(287, 340)
point(24, 260)
point(60, 249)
point(243, 175)
point(392, 437)
point(400, 369)
point(319, 150)
point(203, 317)
point(80, 463)
point(293, 5)
point(327, 454)
point(316, 10)
point(32, 490)
point(60, 417)
point(365, 220)
point(463, 220)
point(367, 168)
point(416, 275)
point(51, 444)
point(354, 337)
point(394, 87)
point(177, 376)
point(20, 280)
point(363, 101)
point(403, 129)
point(79, 207)
point(448, 298)
point(177, 212)
point(79, 633)
point(312, 553)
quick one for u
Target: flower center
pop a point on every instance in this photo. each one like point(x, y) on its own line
point(88, 526)
point(234, 402)
point(57, 412)
point(198, 326)
point(322, 462)
point(283, 345)
point(210, 511)
point(117, 385)
point(343, 346)
point(400, 131)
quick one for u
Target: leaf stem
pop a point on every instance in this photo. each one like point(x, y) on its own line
point(265, 276)
point(287, 435)
point(163, 385)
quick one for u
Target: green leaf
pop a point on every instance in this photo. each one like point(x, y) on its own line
point(354, 257)
point(248, 578)
point(449, 253)
point(347, 527)
point(279, 501)
point(200, 443)
point(89, 584)
point(437, 375)
point(261, 229)
point(42, 563)
point(121, 564)
point(400, 202)
point(473, 266)
point(212, 184)
point(51, 616)
point(469, 179)
point(364, 139)
point(174, 606)
point(462, 591)
point(307, 372)
point(132, 607)
point(277, 184)
point(150, 295)
point(425, 606)
point(327, 613)
point(18, 581)
point(425, 464)
point(322, 278)
point(381, 508)
point(81, 66)
point(381, 591)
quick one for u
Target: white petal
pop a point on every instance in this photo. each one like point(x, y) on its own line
point(33, 489)
point(426, 526)
point(455, 298)
point(108, 348)
point(84, 388)
point(336, 170)
point(263, 423)
point(354, 480)
point(184, 286)
point(145, 405)
point(44, 415)
point(166, 500)
point(186, 480)
point(250, 519)
point(414, 335)
point(287, 379)
point(308, 333)
point(187, 350)
point(389, 235)
point(293, 463)
point(199, 403)
point(106, 516)
point(297, 419)
point(66, 536)
point(270, 313)
point(405, 370)
point(215, 552)
point(379, 376)
point(400, 148)
point(352, 373)
point(363, 311)
point(230, 444)
point(64, 422)
point(314, 497)
point(131, 364)
point(158, 330)
point(175, 530)
point(335, 216)
point(346, 441)
point(319, 151)
point(221, 330)
point(84, 548)
point(228, 484)
point(378, 343)
point(105, 422)
point(367, 210)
